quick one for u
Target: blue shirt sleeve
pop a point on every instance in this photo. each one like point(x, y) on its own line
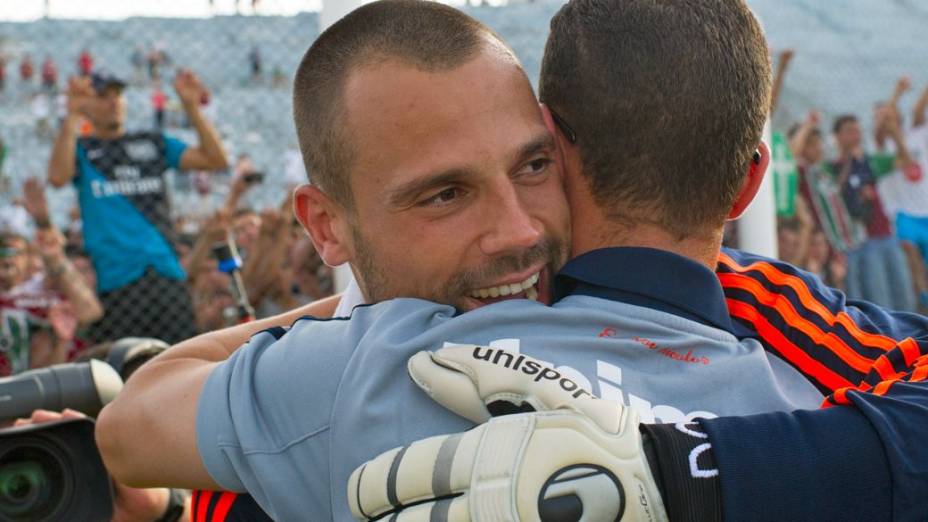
point(862, 458)
point(173, 150)
point(264, 414)
point(803, 466)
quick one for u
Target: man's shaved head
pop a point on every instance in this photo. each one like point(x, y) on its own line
point(426, 35)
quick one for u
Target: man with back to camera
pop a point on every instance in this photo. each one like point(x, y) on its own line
point(123, 199)
point(459, 193)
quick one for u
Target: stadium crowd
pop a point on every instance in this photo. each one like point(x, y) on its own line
point(130, 259)
point(138, 259)
point(859, 220)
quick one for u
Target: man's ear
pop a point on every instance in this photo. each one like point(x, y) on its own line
point(560, 141)
point(326, 222)
point(757, 167)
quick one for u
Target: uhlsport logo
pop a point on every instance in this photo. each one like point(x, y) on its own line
point(518, 362)
point(581, 492)
point(606, 382)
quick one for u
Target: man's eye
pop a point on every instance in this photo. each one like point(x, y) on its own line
point(536, 166)
point(442, 198)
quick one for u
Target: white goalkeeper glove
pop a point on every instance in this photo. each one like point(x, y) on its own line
point(577, 459)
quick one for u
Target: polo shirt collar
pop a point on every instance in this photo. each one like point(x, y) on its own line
point(647, 277)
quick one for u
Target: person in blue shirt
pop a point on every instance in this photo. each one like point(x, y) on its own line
point(443, 191)
point(125, 207)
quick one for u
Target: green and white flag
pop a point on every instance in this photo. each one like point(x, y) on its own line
point(785, 175)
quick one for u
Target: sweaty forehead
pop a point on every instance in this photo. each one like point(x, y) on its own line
point(402, 119)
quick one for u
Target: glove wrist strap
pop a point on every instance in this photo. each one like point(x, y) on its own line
point(682, 462)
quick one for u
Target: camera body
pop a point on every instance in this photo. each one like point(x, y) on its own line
point(53, 472)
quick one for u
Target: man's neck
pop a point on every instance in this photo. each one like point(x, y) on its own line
point(109, 134)
point(593, 229)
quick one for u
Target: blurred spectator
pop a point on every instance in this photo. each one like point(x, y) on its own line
point(312, 279)
point(2, 72)
point(41, 111)
point(124, 204)
point(84, 63)
point(49, 75)
point(157, 60)
point(279, 78)
point(877, 270)
point(263, 273)
point(198, 205)
point(17, 321)
point(254, 61)
point(819, 189)
point(906, 190)
point(2, 153)
point(158, 102)
point(210, 288)
point(44, 302)
point(26, 70)
point(795, 236)
point(137, 59)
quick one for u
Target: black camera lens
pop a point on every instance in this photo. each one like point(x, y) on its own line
point(32, 480)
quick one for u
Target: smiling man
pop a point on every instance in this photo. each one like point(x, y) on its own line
point(451, 192)
point(447, 187)
point(435, 176)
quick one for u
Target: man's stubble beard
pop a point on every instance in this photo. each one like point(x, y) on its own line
point(376, 285)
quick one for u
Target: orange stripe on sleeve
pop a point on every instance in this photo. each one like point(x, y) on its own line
point(920, 374)
point(884, 386)
point(885, 369)
point(203, 505)
point(910, 351)
point(786, 348)
point(221, 511)
point(778, 277)
point(784, 307)
point(839, 397)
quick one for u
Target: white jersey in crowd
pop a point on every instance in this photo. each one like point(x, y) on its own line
point(899, 193)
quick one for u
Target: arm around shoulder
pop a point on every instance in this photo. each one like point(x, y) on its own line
point(147, 436)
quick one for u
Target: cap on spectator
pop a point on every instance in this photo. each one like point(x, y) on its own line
point(101, 79)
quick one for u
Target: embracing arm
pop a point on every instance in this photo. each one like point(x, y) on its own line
point(159, 406)
point(871, 363)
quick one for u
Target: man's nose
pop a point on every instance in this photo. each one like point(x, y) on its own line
point(509, 226)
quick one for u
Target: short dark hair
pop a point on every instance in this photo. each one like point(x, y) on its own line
point(668, 101)
point(426, 35)
point(841, 121)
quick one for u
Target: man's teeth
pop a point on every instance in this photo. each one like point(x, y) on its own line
point(528, 286)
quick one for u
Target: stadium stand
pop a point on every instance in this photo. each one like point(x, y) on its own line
point(842, 66)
